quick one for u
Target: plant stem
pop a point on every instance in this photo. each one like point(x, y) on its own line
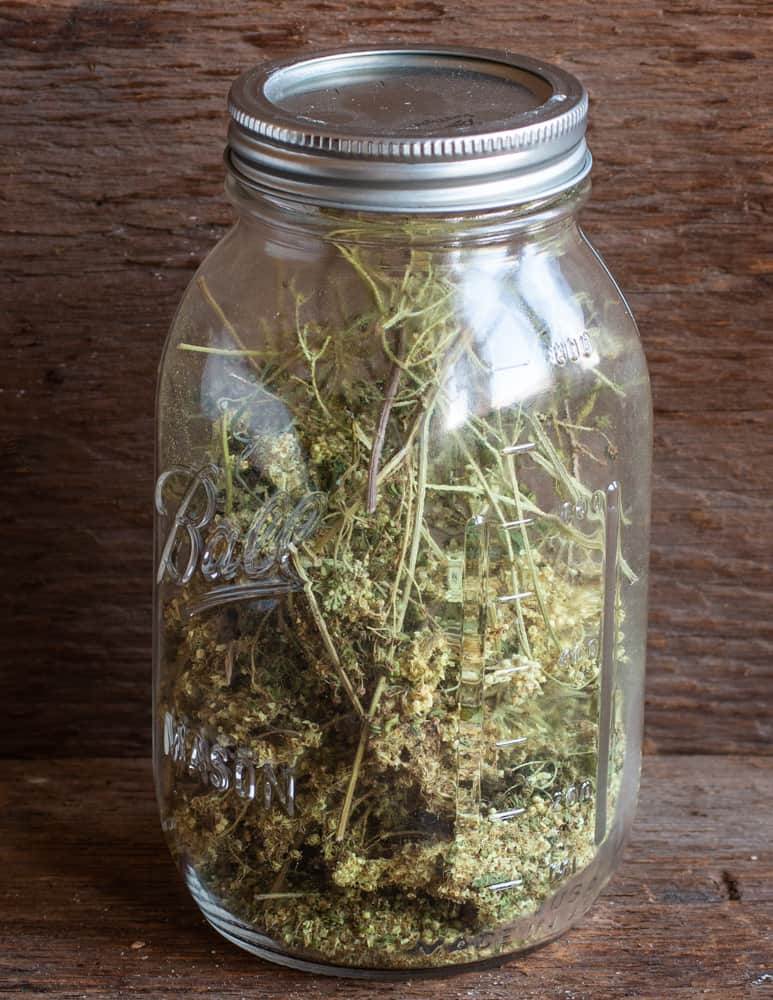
point(573, 445)
point(215, 306)
point(427, 403)
point(240, 816)
point(403, 546)
point(312, 357)
point(524, 639)
point(353, 257)
point(547, 456)
point(421, 492)
point(380, 435)
point(222, 351)
point(319, 621)
point(609, 383)
point(399, 457)
point(343, 822)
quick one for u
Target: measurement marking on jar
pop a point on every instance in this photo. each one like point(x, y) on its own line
point(515, 449)
point(508, 813)
point(577, 510)
point(586, 650)
point(515, 741)
point(502, 886)
point(506, 598)
point(507, 671)
point(274, 586)
point(508, 368)
point(454, 577)
point(517, 524)
point(567, 349)
point(558, 870)
point(471, 704)
point(574, 793)
point(608, 642)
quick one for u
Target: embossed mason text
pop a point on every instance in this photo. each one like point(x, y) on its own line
point(222, 768)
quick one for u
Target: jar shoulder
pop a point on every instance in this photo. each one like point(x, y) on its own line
point(600, 274)
point(548, 301)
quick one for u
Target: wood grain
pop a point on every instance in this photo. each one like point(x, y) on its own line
point(112, 128)
point(91, 905)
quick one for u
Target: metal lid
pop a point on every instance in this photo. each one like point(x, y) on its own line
point(428, 129)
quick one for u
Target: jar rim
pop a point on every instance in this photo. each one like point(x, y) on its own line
point(381, 129)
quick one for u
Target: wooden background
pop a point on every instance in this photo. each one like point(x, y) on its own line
point(112, 121)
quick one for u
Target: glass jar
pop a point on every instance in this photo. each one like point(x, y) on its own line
point(402, 523)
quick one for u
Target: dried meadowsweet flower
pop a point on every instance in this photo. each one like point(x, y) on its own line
point(351, 745)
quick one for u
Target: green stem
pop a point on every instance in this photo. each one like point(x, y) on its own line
point(240, 816)
point(222, 351)
point(343, 821)
point(380, 435)
point(493, 500)
point(609, 383)
point(353, 258)
point(547, 456)
point(421, 493)
point(403, 546)
point(231, 329)
point(322, 628)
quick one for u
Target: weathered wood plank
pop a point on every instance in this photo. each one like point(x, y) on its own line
point(112, 126)
point(86, 875)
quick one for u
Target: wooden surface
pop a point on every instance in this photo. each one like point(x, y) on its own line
point(112, 130)
point(93, 908)
point(111, 133)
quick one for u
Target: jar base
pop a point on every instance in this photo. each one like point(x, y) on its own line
point(262, 946)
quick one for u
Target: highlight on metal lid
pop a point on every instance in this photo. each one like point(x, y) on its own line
point(429, 129)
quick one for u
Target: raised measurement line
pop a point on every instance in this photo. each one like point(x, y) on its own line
point(506, 671)
point(607, 662)
point(471, 704)
point(514, 597)
point(521, 523)
point(501, 886)
point(508, 813)
point(507, 368)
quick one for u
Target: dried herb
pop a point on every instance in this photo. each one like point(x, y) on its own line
point(397, 743)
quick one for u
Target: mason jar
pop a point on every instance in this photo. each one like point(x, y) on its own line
point(402, 505)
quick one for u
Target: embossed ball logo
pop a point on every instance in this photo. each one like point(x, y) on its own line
point(247, 564)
